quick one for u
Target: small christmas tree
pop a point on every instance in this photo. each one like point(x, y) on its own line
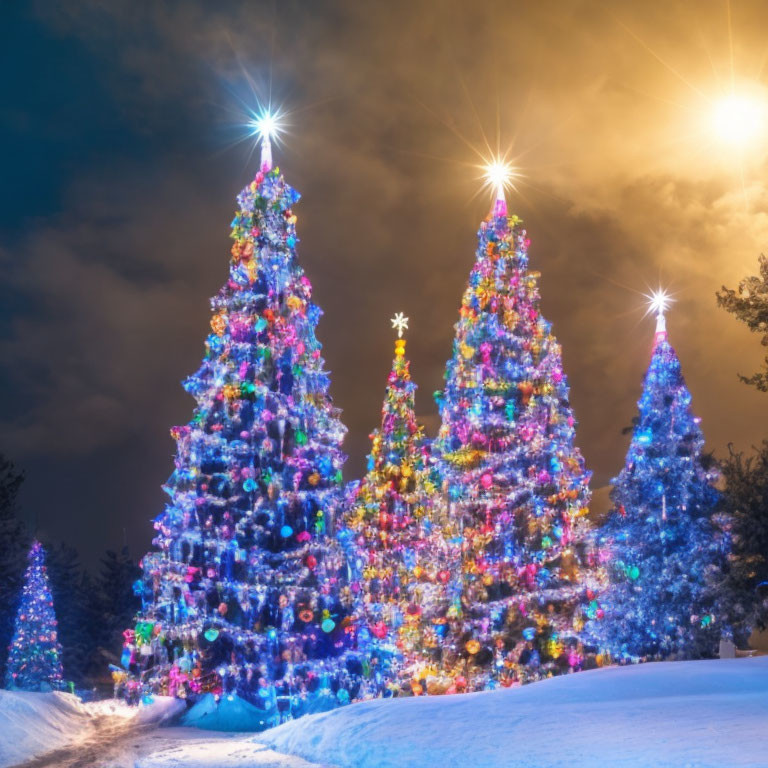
point(391, 540)
point(34, 657)
point(243, 593)
point(664, 545)
point(515, 481)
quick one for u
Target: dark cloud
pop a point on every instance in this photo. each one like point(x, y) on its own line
point(119, 229)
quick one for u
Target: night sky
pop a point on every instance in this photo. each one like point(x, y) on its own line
point(123, 146)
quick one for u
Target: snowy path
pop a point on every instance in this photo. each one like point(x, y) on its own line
point(111, 743)
point(105, 739)
point(56, 730)
point(121, 745)
point(192, 748)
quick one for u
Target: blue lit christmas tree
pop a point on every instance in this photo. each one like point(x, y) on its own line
point(243, 592)
point(34, 657)
point(515, 480)
point(664, 545)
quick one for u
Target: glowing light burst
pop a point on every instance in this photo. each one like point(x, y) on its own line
point(267, 125)
point(500, 176)
point(739, 119)
point(659, 302)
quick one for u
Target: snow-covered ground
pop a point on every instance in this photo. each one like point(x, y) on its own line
point(700, 714)
point(192, 748)
point(697, 714)
point(37, 724)
point(33, 723)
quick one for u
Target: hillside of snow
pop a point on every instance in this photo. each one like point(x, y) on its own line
point(695, 714)
point(34, 724)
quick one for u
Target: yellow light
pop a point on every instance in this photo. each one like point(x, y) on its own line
point(739, 119)
point(499, 176)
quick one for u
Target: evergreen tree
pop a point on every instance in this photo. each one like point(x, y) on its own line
point(743, 591)
point(750, 305)
point(391, 540)
point(515, 480)
point(78, 628)
point(14, 545)
point(243, 591)
point(662, 536)
point(117, 601)
point(34, 658)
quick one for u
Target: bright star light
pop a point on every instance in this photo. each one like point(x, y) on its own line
point(266, 125)
point(739, 118)
point(400, 324)
point(499, 176)
point(658, 302)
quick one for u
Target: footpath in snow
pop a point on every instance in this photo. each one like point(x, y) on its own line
point(56, 730)
point(695, 714)
point(51, 728)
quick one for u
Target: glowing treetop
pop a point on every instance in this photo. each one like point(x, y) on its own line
point(266, 127)
point(498, 176)
point(658, 303)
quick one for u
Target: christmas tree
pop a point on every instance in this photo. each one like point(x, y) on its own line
point(516, 483)
point(664, 545)
point(34, 657)
point(243, 593)
point(391, 541)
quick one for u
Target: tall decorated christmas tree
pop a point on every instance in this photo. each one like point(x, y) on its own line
point(34, 657)
point(243, 592)
point(392, 545)
point(664, 544)
point(515, 481)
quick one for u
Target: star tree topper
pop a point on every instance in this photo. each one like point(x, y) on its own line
point(658, 303)
point(400, 324)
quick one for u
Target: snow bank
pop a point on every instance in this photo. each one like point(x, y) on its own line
point(698, 714)
point(34, 723)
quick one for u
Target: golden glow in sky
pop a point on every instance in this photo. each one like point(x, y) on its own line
point(739, 118)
